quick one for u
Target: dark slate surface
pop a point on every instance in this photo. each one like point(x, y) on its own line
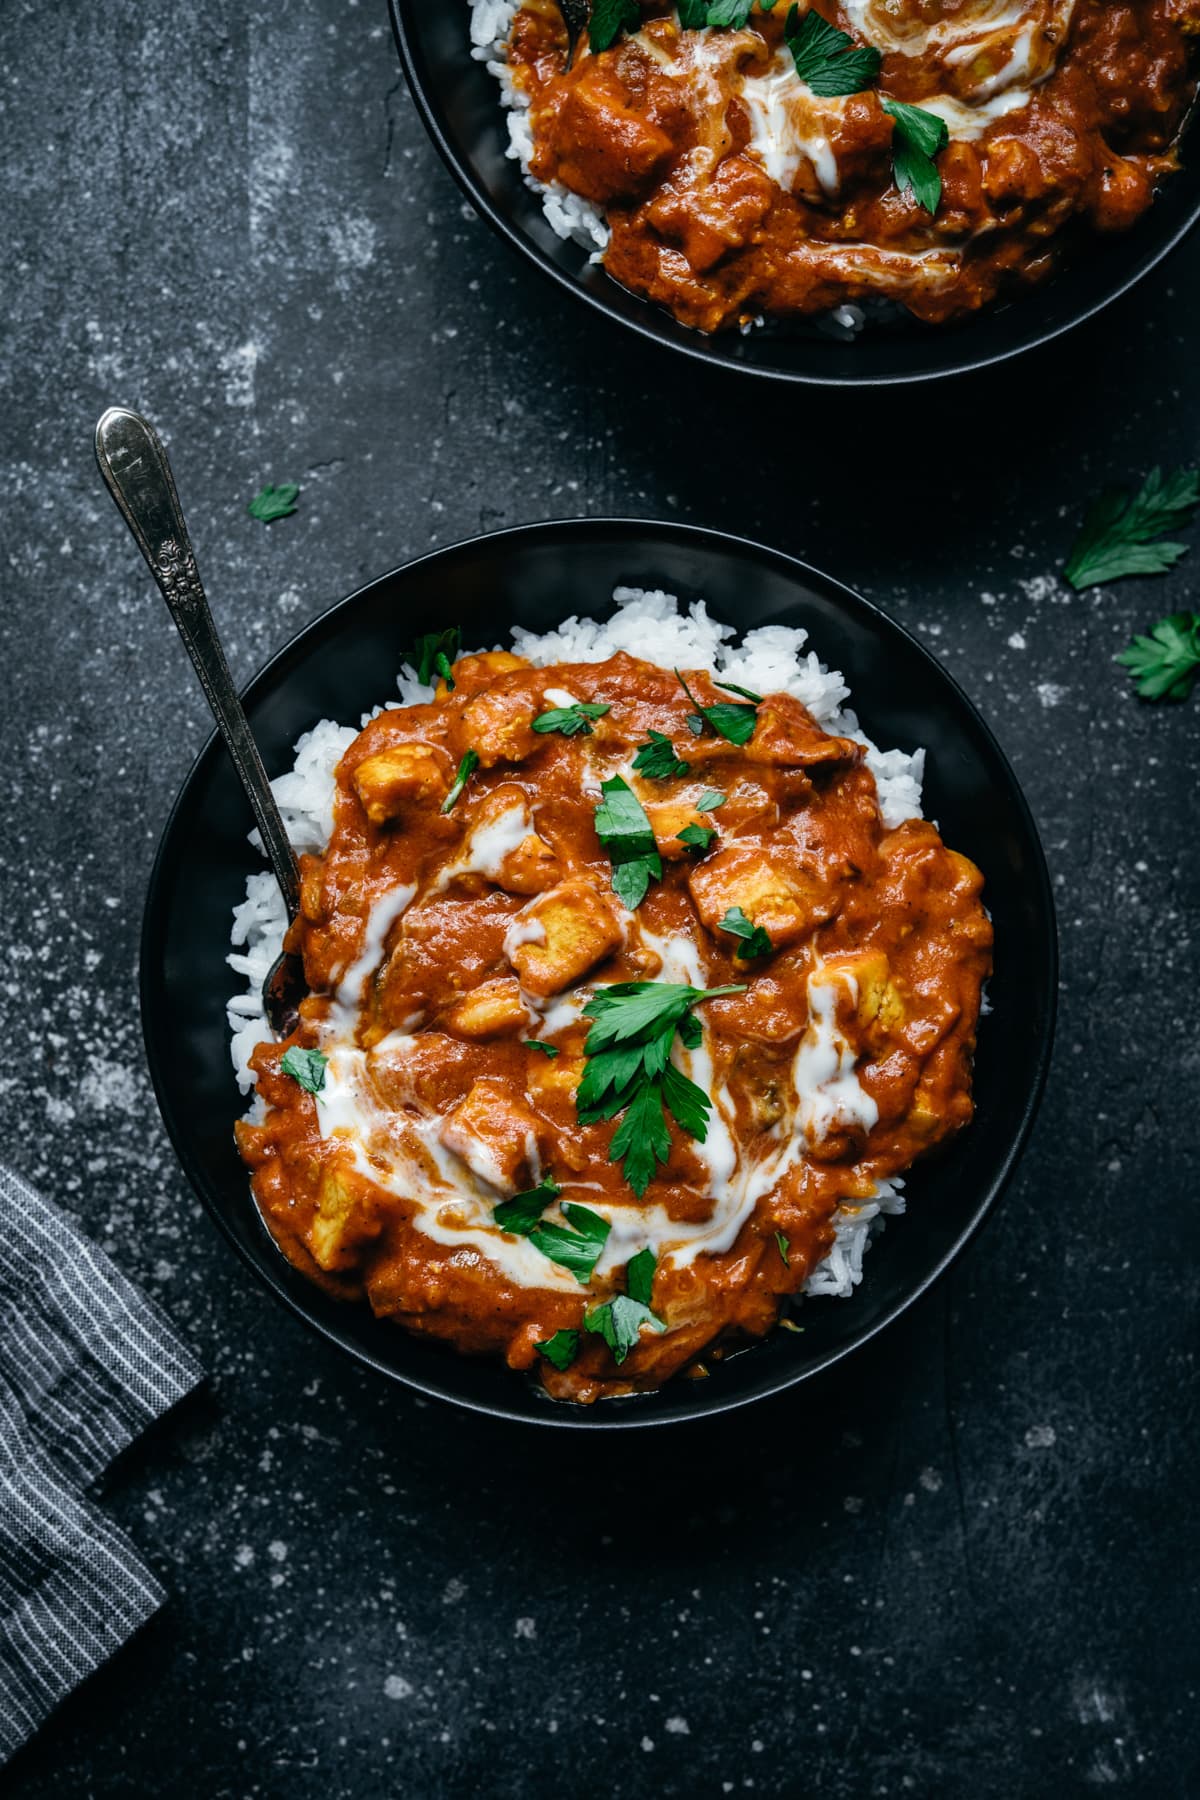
point(963, 1562)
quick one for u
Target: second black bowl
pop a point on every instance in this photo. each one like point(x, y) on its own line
point(460, 104)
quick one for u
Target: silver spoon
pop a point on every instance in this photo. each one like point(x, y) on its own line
point(135, 467)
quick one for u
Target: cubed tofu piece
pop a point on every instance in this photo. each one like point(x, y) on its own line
point(496, 1135)
point(787, 903)
point(346, 1218)
point(606, 150)
point(474, 672)
point(877, 1000)
point(494, 1010)
point(667, 819)
point(529, 869)
point(559, 937)
point(406, 772)
point(498, 726)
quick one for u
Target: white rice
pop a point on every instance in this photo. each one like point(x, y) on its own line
point(650, 624)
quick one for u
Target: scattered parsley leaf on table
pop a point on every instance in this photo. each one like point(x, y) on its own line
point(626, 833)
point(916, 140)
point(629, 1070)
point(577, 1244)
point(274, 502)
point(619, 1322)
point(522, 1212)
point(755, 941)
point(466, 769)
point(609, 18)
point(656, 759)
point(735, 723)
point(829, 60)
point(561, 1349)
point(305, 1066)
point(571, 721)
point(433, 654)
point(698, 837)
point(1166, 663)
point(1116, 538)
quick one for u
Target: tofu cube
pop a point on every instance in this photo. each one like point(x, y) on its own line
point(667, 819)
point(606, 149)
point(498, 726)
point(496, 1135)
point(474, 672)
point(786, 903)
point(562, 935)
point(787, 736)
point(494, 1010)
point(416, 772)
point(878, 1001)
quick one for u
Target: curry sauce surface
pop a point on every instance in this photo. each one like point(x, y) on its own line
point(438, 944)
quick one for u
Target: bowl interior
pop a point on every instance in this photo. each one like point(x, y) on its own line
point(460, 103)
point(342, 665)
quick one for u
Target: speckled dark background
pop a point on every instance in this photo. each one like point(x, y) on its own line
point(962, 1564)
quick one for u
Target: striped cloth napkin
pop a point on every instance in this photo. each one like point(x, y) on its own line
point(86, 1363)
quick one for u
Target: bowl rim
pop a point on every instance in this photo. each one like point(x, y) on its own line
point(702, 349)
point(613, 1414)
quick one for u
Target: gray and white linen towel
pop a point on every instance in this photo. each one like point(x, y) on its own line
point(87, 1361)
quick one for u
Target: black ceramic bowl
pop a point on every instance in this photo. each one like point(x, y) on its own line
point(460, 104)
point(535, 575)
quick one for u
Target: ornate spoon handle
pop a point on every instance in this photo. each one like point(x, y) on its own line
point(135, 468)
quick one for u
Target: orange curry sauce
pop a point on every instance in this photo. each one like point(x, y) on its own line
point(492, 924)
point(732, 192)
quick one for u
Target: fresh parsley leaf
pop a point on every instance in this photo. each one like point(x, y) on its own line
point(629, 1010)
point(609, 18)
point(731, 15)
point(642, 1141)
point(916, 140)
point(1117, 533)
point(710, 800)
point(688, 1104)
point(827, 59)
point(755, 941)
point(783, 1245)
point(1165, 664)
point(573, 720)
point(561, 1349)
point(734, 723)
point(550, 1050)
point(578, 1244)
point(731, 687)
point(639, 1275)
point(274, 502)
point(522, 1212)
point(698, 837)
point(433, 654)
point(305, 1066)
point(625, 832)
point(657, 760)
point(466, 769)
point(619, 1322)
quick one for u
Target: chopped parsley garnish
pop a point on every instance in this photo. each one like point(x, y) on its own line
point(656, 759)
point(577, 1244)
point(561, 1349)
point(274, 502)
point(916, 140)
point(731, 687)
point(629, 1070)
point(782, 1244)
point(608, 19)
point(1116, 536)
point(723, 15)
point(626, 833)
point(619, 1322)
point(755, 941)
point(828, 59)
point(1165, 664)
point(305, 1066)
point(698, 837)
point(639, 1275)
point(571, 721)
point(734, 722)
point(466, 769)
point(522, 1212)
point(710, 800)
point(550, 1050)
point(433, 654)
